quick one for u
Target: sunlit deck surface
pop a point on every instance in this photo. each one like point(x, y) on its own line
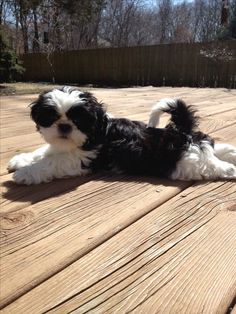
point(115, 243)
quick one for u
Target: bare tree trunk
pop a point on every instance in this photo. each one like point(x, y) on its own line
point(165, 8)
point(24, 26)
point(36, 33)
point(25, 39)
point(1, 11)
point(17, 34)
point(225, 12)
point(57, 30)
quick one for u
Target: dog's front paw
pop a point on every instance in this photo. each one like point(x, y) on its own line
point(30, 175)
point(23, 176)
point(19, 161)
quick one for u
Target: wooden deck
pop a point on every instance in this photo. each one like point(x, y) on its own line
point(119, 244)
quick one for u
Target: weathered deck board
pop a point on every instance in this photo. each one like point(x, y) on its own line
point(27, 237)
point(65, 227)
point(171, 254)
point(49, 235)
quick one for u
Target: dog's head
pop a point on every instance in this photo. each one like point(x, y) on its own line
point(68, 118)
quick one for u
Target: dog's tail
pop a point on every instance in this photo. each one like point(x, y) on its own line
point(182, 116)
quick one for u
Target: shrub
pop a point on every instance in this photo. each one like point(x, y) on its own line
point(11, 68)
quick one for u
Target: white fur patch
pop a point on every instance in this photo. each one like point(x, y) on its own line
point(65, 100)
point(157, 111)
point(74, 139)
point(226, 152)
point(202, 164)
point(47, 163)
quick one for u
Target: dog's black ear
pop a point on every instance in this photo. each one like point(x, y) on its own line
point(87, 95)
point(88, 115)
point(90, 98)
point(98, 108)
point(94, 107)
point(43, 112)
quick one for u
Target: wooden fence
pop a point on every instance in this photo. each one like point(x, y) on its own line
point(210, 64)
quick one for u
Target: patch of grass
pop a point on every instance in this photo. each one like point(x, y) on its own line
point(21, 88)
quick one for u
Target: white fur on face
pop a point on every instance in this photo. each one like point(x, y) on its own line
point(63, 102)
point(74, 139)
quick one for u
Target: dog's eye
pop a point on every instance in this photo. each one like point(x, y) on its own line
point(82, 117)
point(75, 121)
point(44, 116)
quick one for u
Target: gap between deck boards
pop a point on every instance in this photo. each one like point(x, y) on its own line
point(182, 213)
point(103, 238)
point(109, 236)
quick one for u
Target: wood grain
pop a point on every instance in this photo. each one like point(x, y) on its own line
point(51, 233)
point(179, 258)
point(67, 226)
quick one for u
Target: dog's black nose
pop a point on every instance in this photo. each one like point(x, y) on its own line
point(64, 128)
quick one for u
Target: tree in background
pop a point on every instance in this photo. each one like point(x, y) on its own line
point(165, 8)
point(85, 17)
point(22, 11)
point(57, 25)
point(181, 20)
point(10, 68)
point(232, 24)
point(228, 21)
point(118, 19)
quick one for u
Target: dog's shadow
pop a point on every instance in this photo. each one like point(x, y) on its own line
point(35, 193)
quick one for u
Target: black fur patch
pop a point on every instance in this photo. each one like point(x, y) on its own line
point(86, 95)
point(43, 113)
point(131, 147)
point(183, 117)
point(90, 118)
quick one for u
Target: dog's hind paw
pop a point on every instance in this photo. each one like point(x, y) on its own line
point(226, 152)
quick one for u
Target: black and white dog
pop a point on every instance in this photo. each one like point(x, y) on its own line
point(83, 138)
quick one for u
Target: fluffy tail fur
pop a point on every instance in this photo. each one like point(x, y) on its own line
point(182, 116)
